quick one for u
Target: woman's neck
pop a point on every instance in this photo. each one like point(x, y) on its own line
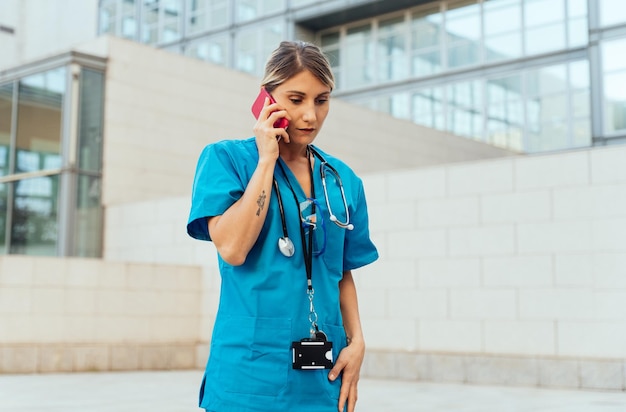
point(291, 154)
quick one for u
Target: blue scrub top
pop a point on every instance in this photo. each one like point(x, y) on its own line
point(263, 303)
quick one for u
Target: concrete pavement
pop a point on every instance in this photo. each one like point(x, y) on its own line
point(176, 391)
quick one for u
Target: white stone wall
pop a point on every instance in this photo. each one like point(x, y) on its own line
point(509, 271)
point(519, 256)
point(59, 315)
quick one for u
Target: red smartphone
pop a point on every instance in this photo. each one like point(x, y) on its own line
point(257, 106)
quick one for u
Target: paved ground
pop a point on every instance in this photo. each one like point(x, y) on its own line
point(177, 392)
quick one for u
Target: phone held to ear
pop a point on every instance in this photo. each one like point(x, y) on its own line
point(257, 106)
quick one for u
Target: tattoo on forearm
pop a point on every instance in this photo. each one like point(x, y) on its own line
point(261, 202)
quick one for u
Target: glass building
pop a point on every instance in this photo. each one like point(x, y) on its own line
point(51, 118)
point(527, 75)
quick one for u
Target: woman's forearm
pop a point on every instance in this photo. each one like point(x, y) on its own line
point(350, 309)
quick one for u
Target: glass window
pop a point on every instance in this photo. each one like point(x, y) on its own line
point(6, 113)
point(213, 49)
point(615, 101)
point(580, 94)
point(614, 68)
point(463, 34)
point(251, 9)
point(544, 25)
point(505, 115)
point(544, 39)
point(502, 26)
point(396, 105)
point(119, 18)
point(129, 19)
point(4, 187)
point(578, 32)
point(360, 58)
point(252, 46)
point(34, 221)
point(427, 107)
point(208, 15)
point(172, 22)
point(246, 52)
point(150, 22)
point(90, 120)
point(107, 16)
point(548, 108)
point(558, 107)
point(392, 61)
point(426, 42)
point(541, 12)
point(88, 218)
point(297, 3)
point(39, 120)
point(246, 10)
point(611, 12)
point(330, 46)
point(465, 109)
point(580, 101)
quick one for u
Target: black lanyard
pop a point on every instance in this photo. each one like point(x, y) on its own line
point(307, 249)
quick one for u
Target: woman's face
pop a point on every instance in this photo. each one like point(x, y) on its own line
point(306, 100)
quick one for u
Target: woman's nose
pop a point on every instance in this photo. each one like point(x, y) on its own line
point(308, 114)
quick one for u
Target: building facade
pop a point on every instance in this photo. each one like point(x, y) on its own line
point(496, 266)
point(526, 75)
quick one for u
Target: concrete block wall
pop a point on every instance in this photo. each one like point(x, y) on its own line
point(62, 315)
point(154, 232)
point(509, 271)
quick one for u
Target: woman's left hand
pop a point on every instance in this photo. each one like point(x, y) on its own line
point(349, 364)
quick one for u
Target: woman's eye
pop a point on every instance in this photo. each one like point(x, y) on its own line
point(321, 101)
point(296, 101)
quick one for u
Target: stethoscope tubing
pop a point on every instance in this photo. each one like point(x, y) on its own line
point(323, 166)
point(285, 245)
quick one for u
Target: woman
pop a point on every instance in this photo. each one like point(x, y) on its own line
point(286, 266)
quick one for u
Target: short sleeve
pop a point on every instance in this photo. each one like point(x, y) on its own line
point(216, 186)
point(359, 250)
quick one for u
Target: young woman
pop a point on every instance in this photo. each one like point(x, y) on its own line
point(290, 224)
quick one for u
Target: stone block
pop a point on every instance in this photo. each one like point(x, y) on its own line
point(19, 359)
point(91, 358)
point(502, 371)
point(559, 373)
point(446, 368)
point(56, 359)
point(124, 358)
point(602, 374)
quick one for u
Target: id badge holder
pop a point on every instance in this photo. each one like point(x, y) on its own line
point(312, 353)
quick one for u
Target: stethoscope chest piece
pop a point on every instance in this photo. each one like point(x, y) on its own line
point(285, 245)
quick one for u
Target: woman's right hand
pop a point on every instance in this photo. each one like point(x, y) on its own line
point(267, 136)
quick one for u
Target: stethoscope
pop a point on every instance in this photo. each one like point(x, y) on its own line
point(285, 245)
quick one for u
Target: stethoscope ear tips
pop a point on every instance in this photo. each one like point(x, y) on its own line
point(350, 226)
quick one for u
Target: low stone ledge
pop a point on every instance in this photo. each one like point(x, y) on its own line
point(548, 372)
point(37, 358)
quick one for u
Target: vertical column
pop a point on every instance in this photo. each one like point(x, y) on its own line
point(595, 70)
point(67, 180)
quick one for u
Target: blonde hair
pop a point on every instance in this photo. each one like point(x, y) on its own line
point(293, 57)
